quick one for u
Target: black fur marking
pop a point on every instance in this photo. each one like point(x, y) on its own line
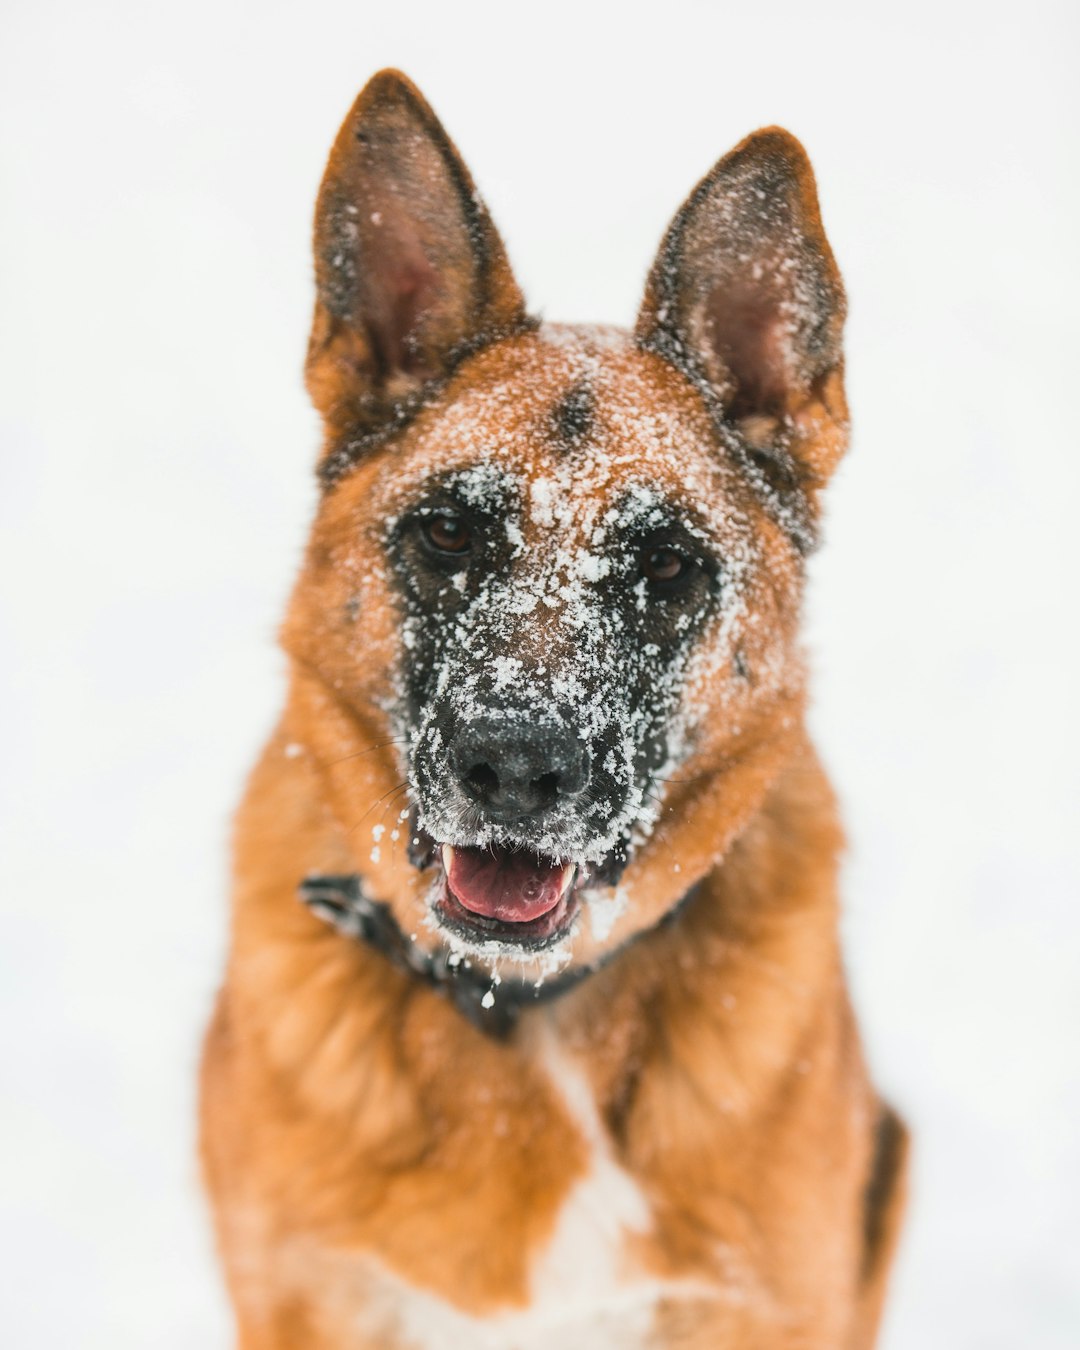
point(336, 259)
point(572, 416)
point(885, 1171)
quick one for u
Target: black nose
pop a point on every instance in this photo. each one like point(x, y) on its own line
point(516, 770)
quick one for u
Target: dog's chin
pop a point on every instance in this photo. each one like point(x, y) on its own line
point(505, 897)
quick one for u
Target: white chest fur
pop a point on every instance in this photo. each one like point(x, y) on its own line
point(586, 1292)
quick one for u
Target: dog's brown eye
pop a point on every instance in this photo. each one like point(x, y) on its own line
point(448, 534)
point(663, 564)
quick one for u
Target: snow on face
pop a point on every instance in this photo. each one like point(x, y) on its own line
point(570, 488)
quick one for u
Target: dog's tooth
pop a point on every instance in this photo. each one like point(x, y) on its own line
point(567, 878)
point(447, 858)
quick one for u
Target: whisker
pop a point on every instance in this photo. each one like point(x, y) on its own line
point(694, 777)
point(375, 803)
point(368, 750)
point(391, 800)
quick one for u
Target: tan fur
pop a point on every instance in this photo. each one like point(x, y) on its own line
point(359, 1136)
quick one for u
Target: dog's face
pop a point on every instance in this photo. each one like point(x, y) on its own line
point(546, 633)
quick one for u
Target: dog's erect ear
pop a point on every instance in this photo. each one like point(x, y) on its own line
point(745, 297)
point(410, 271)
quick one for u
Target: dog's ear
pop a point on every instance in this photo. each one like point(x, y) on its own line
point(409, 269)
point(745, 296)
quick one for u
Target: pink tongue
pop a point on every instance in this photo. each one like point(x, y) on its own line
point(510, 887)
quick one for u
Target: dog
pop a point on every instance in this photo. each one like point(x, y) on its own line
point(534, 1029)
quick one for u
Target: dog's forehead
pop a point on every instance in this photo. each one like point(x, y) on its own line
point(575, 419)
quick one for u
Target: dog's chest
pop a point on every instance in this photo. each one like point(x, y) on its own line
point(587, 1290)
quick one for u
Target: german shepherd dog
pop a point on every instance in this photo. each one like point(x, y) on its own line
point(557, 1050)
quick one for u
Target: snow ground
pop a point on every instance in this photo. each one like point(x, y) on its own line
point(158, 170)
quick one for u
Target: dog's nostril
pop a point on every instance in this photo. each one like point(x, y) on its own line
point(546, 786)
point(483, 778)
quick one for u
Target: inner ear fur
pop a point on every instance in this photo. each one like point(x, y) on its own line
point(746, 298)
point(410, 272)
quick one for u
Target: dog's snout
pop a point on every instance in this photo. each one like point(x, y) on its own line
point(518, 771)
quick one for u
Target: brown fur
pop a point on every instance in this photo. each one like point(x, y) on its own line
point(356, 1129)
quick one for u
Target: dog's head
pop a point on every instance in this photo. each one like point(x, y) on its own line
point(545, 638)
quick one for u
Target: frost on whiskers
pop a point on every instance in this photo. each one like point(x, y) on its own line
point(563, 632)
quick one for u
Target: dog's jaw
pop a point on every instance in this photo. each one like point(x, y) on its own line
point(535, 905)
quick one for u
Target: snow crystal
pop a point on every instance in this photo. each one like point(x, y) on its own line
point(604, 910)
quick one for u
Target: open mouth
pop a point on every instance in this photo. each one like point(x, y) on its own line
point(504, 895)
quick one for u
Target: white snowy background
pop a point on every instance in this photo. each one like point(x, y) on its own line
point(158, 168)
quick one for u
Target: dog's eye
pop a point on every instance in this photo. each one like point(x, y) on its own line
point(664, 565)
point(447, 534)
